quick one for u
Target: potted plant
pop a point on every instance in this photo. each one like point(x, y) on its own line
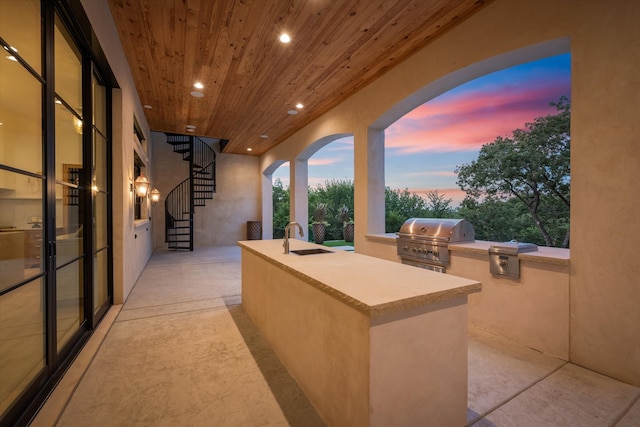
point(319, 224)
point(347, 223)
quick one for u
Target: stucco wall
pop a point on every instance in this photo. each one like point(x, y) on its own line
point(237, 199)
point(132, 241)
point(603, 38)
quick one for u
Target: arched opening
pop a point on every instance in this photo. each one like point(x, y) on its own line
point(292, 179)
point(421, 157)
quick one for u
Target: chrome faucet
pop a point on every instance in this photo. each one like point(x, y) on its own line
point(286, 235)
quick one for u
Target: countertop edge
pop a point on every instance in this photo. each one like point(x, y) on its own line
point(377, 310)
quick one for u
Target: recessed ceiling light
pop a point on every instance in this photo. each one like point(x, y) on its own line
point(299, 105)
point(249, 149)
point(292, 112)
point(190, 130)
point(11, 57)
point(285, 38)
point(264, 136)
point(197, 94)
point(190, 126)
point(198, 85)
point(147, 107)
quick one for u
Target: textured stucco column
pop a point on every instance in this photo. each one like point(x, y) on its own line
point(368, 184)
point(267, 206)
point(299, 196)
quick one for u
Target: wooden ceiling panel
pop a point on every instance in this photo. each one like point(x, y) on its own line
point(251, 79)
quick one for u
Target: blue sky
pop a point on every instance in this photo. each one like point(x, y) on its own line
point(424, 147)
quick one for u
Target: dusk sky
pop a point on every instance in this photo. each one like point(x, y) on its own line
point(424, 147)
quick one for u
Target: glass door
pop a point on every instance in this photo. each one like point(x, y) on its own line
point(55, 251)
point(23, 324)
point(69, 188)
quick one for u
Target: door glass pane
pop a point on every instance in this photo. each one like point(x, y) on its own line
point(68, 225)
point(68, 188)
point(99, 106)
point(100, 280)
point(20, 118)
point(21, 213)
point(69, 300)
point(20, 27)
point(22, 350)
point(100, 221)
point(68, 146)
point(68, 68)
point(99, 161)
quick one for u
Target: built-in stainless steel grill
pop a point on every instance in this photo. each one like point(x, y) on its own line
point(424, 242)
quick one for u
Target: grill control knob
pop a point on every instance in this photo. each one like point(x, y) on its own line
point(414, 249)
point(405, 247)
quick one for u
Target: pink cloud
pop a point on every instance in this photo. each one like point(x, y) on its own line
point(324, 161)
point(456, 194)
point(466, 121)
point(433, 173)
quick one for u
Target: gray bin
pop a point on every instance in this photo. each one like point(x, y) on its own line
point(254, 230)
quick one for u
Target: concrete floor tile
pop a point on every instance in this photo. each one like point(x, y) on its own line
point(162, 310)
point(632, 417)
point(182, 368)
point(571, 396)
point(500, 369)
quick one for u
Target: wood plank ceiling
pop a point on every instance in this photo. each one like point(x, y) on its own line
point(251, 80)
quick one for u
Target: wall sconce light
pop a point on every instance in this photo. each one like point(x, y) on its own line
point(155, 196)
point(141, 185)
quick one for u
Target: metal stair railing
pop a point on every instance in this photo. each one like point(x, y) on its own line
point(179, 217)
point(193, 191)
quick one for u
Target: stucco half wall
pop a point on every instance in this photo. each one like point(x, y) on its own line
point(603, 38)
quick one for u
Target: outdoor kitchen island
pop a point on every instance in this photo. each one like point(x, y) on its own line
point(371, 342)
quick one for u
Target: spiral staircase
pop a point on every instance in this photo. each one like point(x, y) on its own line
point(193, 192)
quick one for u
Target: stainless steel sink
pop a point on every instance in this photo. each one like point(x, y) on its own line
point(311, 251)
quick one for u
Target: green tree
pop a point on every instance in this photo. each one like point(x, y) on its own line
point(531, 166)
point(401, 205)
point(438, 206)
point(334, 193)
point(280, 197)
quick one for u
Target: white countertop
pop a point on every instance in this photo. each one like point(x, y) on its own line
point(371, 285)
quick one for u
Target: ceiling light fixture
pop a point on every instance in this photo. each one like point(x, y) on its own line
point(190, 126)
point(264, 136)
point(249, 149)
point(197, 94)
point(147, 107)
point(198, 85)
point(285, 38)
point(292, 112)
point(299, 105)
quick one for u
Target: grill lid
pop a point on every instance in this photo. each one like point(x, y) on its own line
point(441, 229)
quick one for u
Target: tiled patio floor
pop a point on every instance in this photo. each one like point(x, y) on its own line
point(182, 351)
